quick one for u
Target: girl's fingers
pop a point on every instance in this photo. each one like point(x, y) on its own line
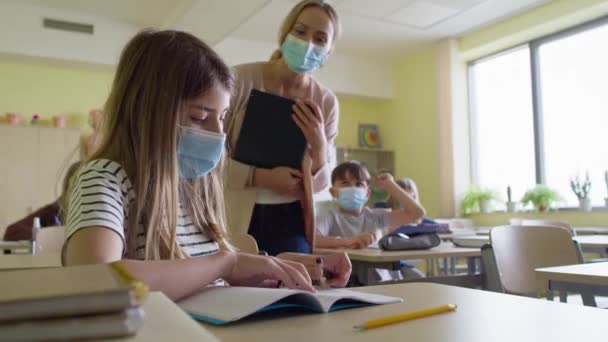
point(298, 274)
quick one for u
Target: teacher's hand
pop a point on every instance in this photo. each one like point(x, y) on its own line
point(282, 180)
point(307, 115)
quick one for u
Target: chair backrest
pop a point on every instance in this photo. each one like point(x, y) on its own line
point(543, 223)
point(50, 240)
point(245, 243)
point(519, 250)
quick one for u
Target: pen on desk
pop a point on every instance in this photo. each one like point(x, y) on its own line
point(379, 322)
point(322, 279)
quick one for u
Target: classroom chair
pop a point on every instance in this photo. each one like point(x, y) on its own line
point(543, 223)
point(515, 252)
point(245, 243)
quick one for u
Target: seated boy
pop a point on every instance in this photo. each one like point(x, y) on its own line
point(351, 224)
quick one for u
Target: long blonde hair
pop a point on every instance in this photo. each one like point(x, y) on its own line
point(292, 17)
point(158, 71)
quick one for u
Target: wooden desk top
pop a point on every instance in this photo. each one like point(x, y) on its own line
point(593, 273)
point(165, 321)
point(591, 230)
point(481, 316)
point(592, 241)
point(23, 261)
point(378, 255)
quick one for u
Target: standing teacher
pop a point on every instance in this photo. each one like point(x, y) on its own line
point(266, 202)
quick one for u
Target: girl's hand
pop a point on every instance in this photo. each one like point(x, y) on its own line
point(254, 270)
point(309, 118)
point(336, 267)
point(282, 180)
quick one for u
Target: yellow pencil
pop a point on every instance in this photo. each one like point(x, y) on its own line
point(139, 287)
point(379, 322)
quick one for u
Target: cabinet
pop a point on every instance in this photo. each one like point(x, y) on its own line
point(33, 161)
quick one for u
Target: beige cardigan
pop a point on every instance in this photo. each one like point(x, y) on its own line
point(239, 196)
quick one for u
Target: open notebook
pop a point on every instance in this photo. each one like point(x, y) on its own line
point(222, 304)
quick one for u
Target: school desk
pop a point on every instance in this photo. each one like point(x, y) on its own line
point(377, 258)
point(587, 279)
point(165, 321)
point(24, 261)
point(481, 316)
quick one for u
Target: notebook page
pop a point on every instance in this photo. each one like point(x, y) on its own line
point(225, 304)
point(329, 297)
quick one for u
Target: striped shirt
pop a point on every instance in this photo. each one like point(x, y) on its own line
point(102, 197)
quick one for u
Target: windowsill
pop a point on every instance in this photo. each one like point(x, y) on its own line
point(603, 209)
point(576, 218)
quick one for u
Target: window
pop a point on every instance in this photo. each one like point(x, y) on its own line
point(504, 134)
point(573, 74)
point(539, 114)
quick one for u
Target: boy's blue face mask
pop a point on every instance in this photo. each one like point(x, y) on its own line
point(302, 56)
point(198, 151)
point(352, 198)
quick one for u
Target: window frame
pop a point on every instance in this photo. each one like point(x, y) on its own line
point(534, 46)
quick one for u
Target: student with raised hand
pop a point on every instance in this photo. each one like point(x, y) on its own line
point(351, 224)
point(265, 202)
point(151, 195)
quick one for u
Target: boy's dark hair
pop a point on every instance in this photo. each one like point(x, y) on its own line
point(352, 167)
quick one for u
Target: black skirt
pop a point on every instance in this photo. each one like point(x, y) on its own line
point(279, 228)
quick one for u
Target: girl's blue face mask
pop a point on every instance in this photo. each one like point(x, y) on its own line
point(302, 56)
point(198, 151)
point(352, 198)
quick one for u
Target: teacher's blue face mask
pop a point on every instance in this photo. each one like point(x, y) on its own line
point(198, 151)
point(302, 56)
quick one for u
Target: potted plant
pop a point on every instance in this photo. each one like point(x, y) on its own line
point(477, 199)
point(511, 206)
point(541, 196)
point(581, 190)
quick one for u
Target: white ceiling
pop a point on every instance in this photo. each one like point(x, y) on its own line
point(371, 28)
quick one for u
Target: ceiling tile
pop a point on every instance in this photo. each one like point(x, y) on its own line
point(456, 4)
point(422, 15)
point(372, 8)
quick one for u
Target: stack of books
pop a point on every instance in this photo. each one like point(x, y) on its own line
point(80, 302)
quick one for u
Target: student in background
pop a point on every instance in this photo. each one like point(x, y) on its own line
point(151, 195)
point(50, 215)
point(352, 224)
point(409, 186)
point(266, 202)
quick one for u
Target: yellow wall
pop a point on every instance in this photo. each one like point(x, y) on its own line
point(50, 88)
point(411, 126)
point(355, 111)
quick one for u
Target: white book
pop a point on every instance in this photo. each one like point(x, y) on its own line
point(225, 304)
point(124, 323)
